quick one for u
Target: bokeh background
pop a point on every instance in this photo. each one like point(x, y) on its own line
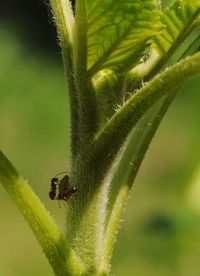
point(161, 226)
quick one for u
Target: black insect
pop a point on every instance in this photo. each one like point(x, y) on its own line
point(61, 189)
point(54, 185)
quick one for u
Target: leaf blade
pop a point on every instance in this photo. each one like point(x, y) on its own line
point(181, 19)
point(118, 34)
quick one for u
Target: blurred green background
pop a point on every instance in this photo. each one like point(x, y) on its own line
point(161, 225)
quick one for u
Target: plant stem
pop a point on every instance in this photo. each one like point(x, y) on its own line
point(64, 19)
point(87, 212)
point(61, 257)
point(130, 163)
point(109, 140)
point(86, 96)
point(86, 221)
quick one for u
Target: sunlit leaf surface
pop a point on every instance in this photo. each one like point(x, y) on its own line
point(180, 19)
point(118, 32)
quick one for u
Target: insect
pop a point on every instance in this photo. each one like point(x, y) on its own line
point(61, 189)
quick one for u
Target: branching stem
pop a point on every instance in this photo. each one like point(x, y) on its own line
point(109, 140)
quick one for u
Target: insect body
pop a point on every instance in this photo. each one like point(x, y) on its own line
point(61, 189)
point(54, 184)
point(65, 190)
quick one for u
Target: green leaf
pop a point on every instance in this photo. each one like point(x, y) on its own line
point(180, 20)
point(164, 3)
point(118, 33)
point(194, 47)
point(189, 47)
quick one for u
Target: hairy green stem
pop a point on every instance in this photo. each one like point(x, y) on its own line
point(94, 212)
point(130, 163)
point(109, 140)
point(86, 96)
point(61, 257)
point(86, 213)
point(64, 20)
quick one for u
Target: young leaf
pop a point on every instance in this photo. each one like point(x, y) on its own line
point(118, 33)
point(194, 46)
point(180, 20)
point(189, 46)
point(164, 3)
